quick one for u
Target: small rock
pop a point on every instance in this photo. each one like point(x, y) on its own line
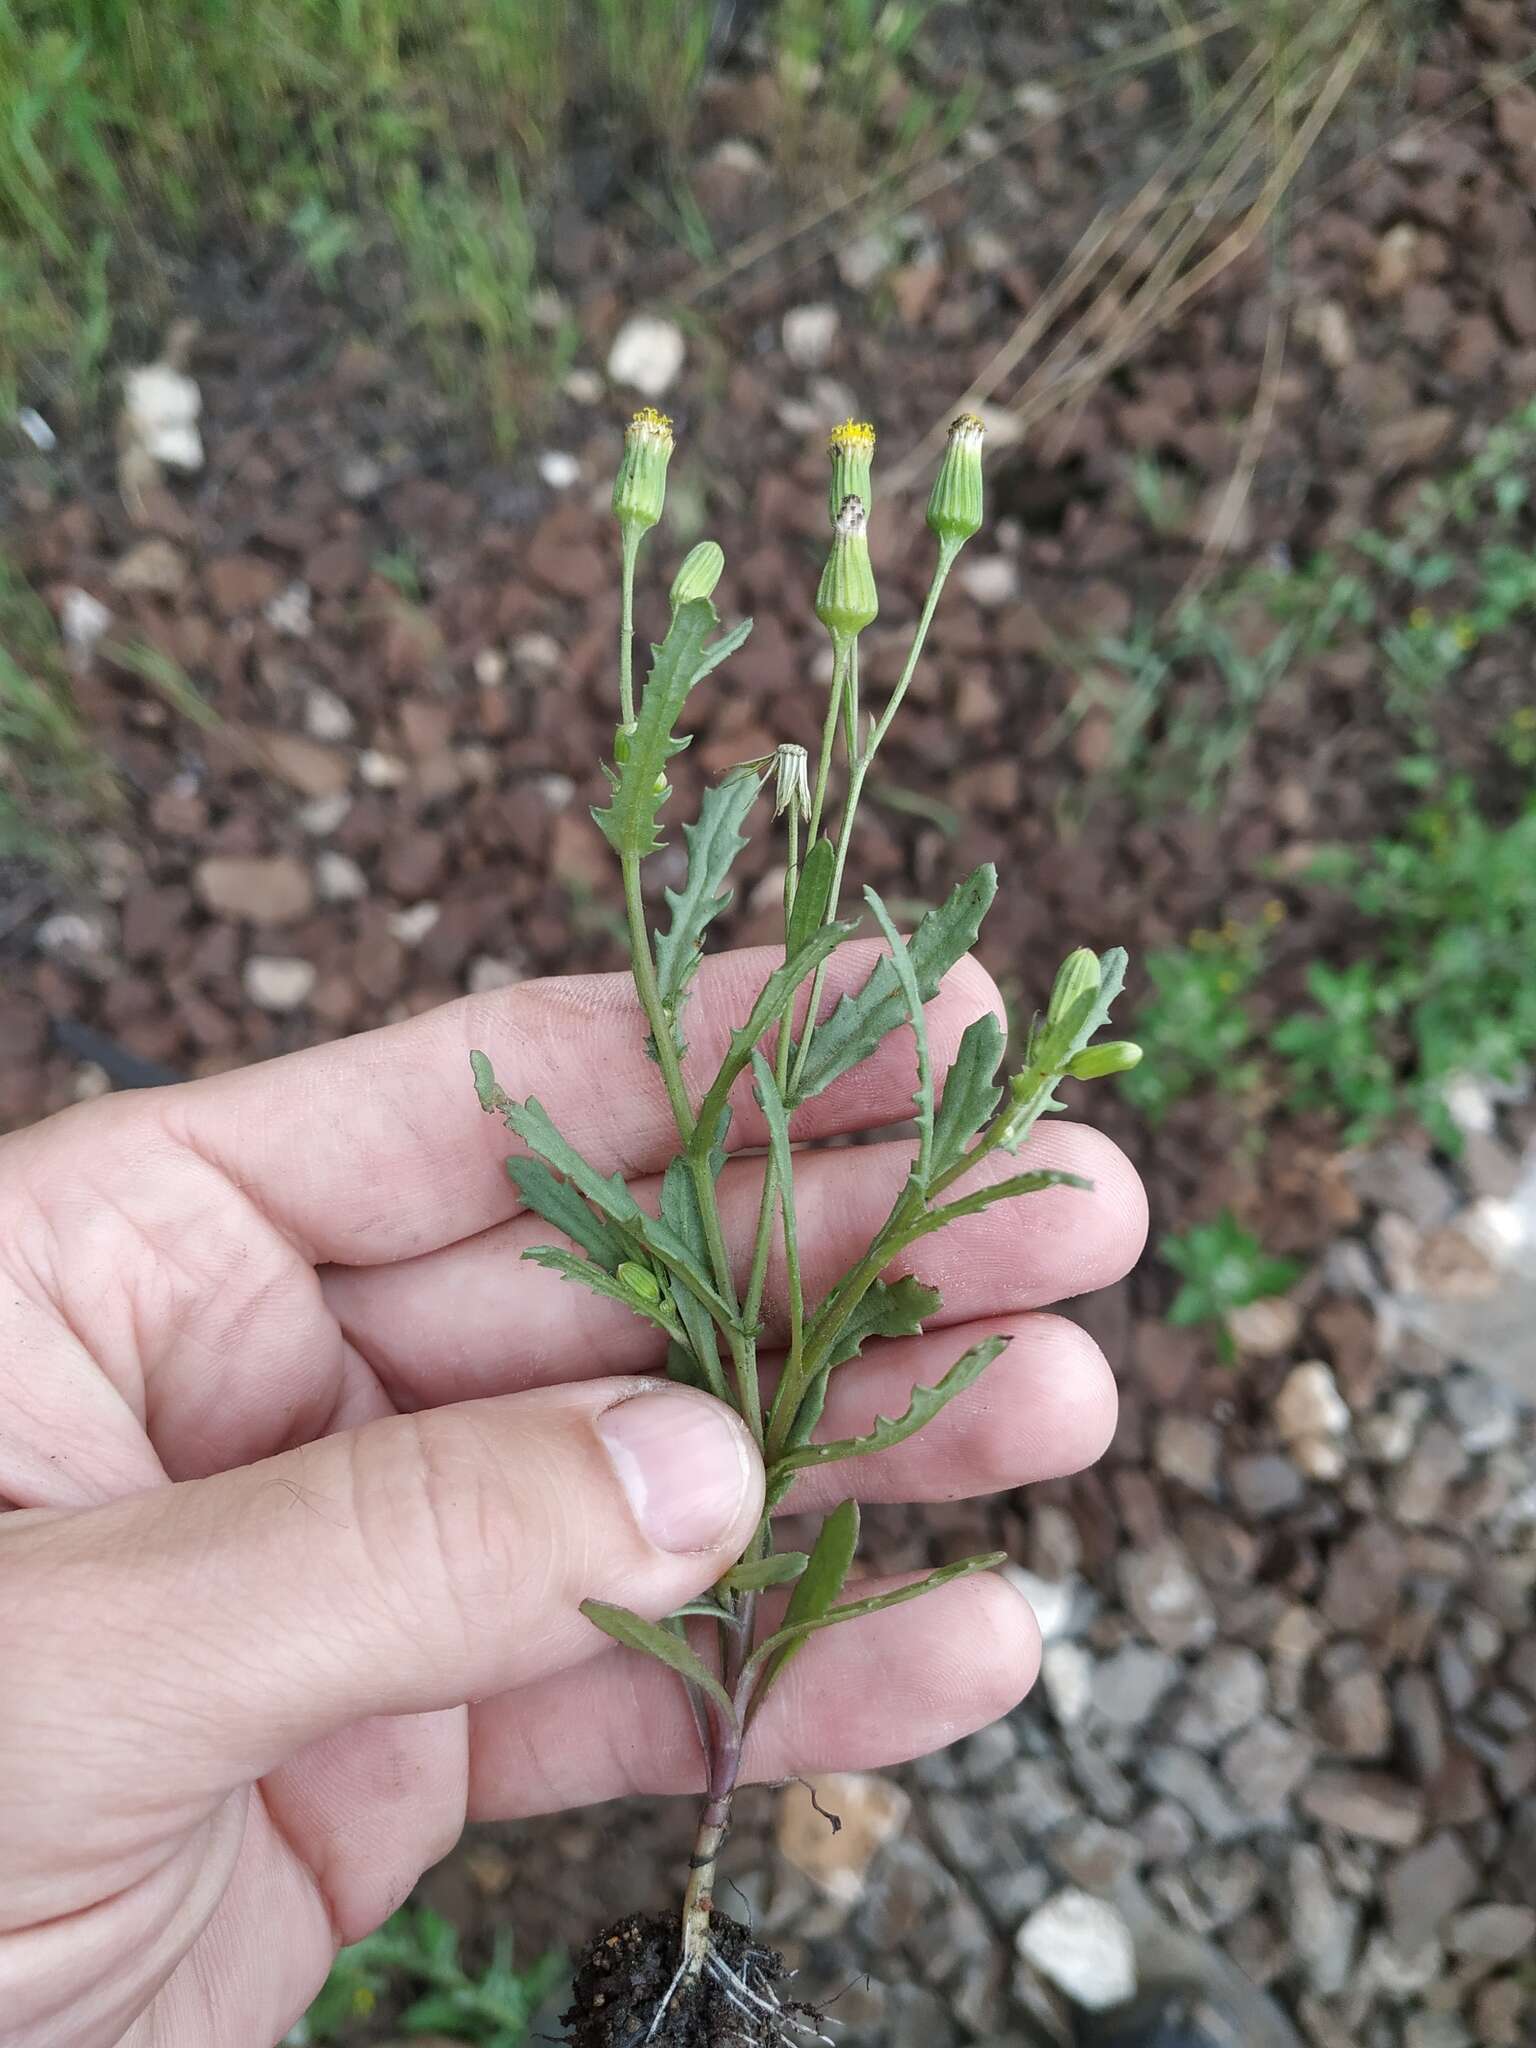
point(1499, 2015)
point(240, 583)
point(1395, 264)
point(1364, 1578)
point(1227, 1689)
point(1266, 1328)
point(71, 935)
point(360, 477)
point(1485, 1414)
point(380, 770)
point(1128, 1685)
point(873, 1811)
point(863, 259)
point(82, 621)
point(1370, 1804)
point(326, 715)
point(1419, 1486)
point(1311, 1415)
point(1082, 1946)
point(647, 354)
point(160, 413)
point(486, 972)
point(1493, 1933)
point(809, 332)
point(558, 469)
point(1400, 1973)
point(322, 814)
point(288, 612)
point(1052, 1600)
point(156, 567)
point(1066, 1672)
point(1180, 1774)
point(313, 770)
point(1356, 1716)
point(990, 581)
point(275, 983)
point(338, 878)
point(261, 891)
point(1265, 1764)
point(1161, 1590)
point(1093, 1856)
point(1423, 1888)
point(539, 652)
point(1188, 1448)
point(1324, 1926)
point(1388, 1435)
point(1265, 1484)
point(1398, 1178)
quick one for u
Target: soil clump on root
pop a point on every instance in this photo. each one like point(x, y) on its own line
point(625, 1975)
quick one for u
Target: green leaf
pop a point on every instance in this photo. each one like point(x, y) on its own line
point(896, 1308)
point(680, 1208)
point(901, 960)
point(813, 892)
point(862, 1020)
point(971, 1092)
point(570, 1267)
point(437, 2013)
point(772, 999)
point(559, 1203)
point(776, 1570)
point(921, 1409)
point(639, 783)
point(998, 1191)
point(791, 1633)
point(636, 1633)
point(531, 1122)
point(815, 1590)
point(713, 844)
point(494, 1099)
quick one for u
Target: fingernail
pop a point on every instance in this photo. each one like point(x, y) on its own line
point(684, 1464)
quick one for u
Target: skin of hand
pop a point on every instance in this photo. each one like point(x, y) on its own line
point(304, 1477)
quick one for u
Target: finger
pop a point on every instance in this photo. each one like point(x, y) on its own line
point(324, 1141)
point(475, 1318)
point(1045, 1408)
point(396, 1569)
point(923, 1675)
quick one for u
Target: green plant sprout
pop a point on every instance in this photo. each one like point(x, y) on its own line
point(673, 1268)
point(1223, 1267)
point(417, 1951)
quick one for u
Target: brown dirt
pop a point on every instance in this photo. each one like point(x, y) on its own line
point(624, 1975)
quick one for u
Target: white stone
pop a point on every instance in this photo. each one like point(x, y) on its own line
point(288, 612)
point(585, 386)
point(809, 332)
point(1082, 1946)
point(338, 877)
point(327, 716)
point(490, 667)
point(558, 469)
point(360, 476)
point(872, 1811)
point(647, 354)
point(536, 651)
point(160, 412)
point(1468, 1103)
point(411, 925)
point(557, 791)
point(381, 771)
point(1310, 1404)
point(861, 261)
point(1053, 1600)
point(69, 931)
point(486, 973)
point(1040, 101)
point(36, 429)
point(322, 814)
point(1066, 1672)
point(90, 1081)
point(82, 621)
point(1263, 1329)
point(275, 982)
point(990, 581)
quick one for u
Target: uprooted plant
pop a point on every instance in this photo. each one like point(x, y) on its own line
point(674, 1268)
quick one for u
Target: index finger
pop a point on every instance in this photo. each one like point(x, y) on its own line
point(374, 1148)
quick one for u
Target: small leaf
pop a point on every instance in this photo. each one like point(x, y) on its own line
point(971, 1092)
point(585, 1274)
point(772, 998)
point(920, 1410)
point(713, 844)
point(862, 1020)
point(531, 1122)
point(559, 1203)
point(896, 1308)
point(777, 1570)
point(639, 782)
point(813, 892)
point(815, 1590)
point(636, 1633)
point(680, 1208)
point(494, 1099)
point(439, 2011)
point(852, 1610)
point(901, 960)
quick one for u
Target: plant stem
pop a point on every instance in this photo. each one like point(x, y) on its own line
point(840, 659)
point(724, 1765)
point(631, 548)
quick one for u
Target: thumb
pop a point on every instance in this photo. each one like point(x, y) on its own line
point(415, 1563)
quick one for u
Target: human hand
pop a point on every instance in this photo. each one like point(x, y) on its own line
point(299, 1460)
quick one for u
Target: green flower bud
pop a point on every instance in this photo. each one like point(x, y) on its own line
point(954, 504)
point(1077, 976)
point(640, 488)
point(1116, 1056)
point(701, 571)
point(852, 449)
point(640, 1281)
point(846, 601)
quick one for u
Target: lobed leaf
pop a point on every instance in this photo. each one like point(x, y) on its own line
point(636, 1633)
point(531, 1122)
point(920, 1410)
point(586, 1274)
point(713, 844)
point(682, 660)
point(772, 999)
point(971, 1092)
point(561, 1205)
point(863, 1019)
point(815, 1590)
point(680, 1210)
point(906, 979)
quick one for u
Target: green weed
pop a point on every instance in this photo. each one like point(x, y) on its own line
point(414, 1956)
point(1221, 1266)
point(1196, 1027)
point(51, 772)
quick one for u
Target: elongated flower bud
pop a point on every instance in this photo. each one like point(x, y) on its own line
point(701, 571)
point(954, 504)
point(1078, 976)
point(1115, 1056)
point(791, 780)
point(852, 449)
point(846, 601)
point(640, 488)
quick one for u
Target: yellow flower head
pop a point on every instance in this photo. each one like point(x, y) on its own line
point(851, 436)
point(640, 488)
point(651, 427)
point(852, 449)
